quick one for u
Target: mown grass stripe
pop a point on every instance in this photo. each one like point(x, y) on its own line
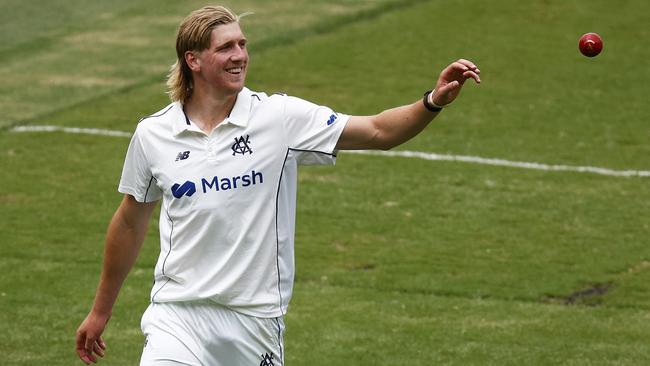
point(326, 26)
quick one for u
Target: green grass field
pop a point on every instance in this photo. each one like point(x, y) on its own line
point(399, 261)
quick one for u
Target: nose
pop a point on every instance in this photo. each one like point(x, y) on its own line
point(239, 54)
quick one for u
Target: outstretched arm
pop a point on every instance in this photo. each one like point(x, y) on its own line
point(123, 242)
point(398, 125)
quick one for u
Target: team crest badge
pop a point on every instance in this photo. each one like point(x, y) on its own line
point(267, 360)
point(241, 146)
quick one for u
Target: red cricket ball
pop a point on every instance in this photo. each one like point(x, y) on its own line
point(590, 44)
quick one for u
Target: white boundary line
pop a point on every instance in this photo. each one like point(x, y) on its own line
point(85, 131)
point(507, 163)
point(404, 154)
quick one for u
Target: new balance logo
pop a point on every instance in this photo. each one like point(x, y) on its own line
point(332, 119)
point(267, 360)
point(241, 146)
point(187, 189)
point(182, 155)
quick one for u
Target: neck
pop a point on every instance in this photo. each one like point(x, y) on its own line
point(208, 111)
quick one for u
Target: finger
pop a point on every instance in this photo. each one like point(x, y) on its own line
point(473, 75)
point(88, 348)
point(88, 359)
point(82, 355)
point(462, 69)
point(459, 66)
point(98, 349)
point(81, 350)
point(469, 64)
point(102, 344)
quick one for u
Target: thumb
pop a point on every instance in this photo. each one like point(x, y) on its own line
point(445, 94)
point(449, 87)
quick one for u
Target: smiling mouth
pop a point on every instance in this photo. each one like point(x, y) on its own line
point(235, 70)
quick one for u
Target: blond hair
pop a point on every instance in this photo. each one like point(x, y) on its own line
point(194, 34)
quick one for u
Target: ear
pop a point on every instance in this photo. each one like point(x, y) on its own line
point(192, 61)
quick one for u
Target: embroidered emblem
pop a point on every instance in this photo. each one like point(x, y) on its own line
point(267, 360)
point(241, 146)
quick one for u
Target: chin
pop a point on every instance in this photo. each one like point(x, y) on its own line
point(236, 88)
point(232, 87)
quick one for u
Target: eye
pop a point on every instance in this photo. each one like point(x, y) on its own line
point(224, 47)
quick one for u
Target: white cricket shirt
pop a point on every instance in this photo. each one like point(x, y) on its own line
point(227, 217)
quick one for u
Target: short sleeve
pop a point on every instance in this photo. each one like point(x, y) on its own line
point(137, 179)
point(313, 130)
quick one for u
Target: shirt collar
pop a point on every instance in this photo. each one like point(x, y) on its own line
point(238, 115)
point(179, 119)
point(241, 110)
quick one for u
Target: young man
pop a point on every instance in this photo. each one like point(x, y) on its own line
point(224, 161)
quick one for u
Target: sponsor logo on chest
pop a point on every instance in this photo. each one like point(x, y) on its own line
point(217, 184)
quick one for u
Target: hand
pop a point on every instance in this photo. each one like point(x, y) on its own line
point(89, 338)
point(451, 80)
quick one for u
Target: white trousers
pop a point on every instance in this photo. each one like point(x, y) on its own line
point(208, 334)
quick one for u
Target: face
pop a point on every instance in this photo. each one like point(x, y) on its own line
point(223, 65)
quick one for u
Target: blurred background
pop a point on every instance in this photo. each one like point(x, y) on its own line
point(400, 261)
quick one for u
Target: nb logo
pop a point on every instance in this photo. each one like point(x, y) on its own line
point(267, 360)
point(187, 189)
point(241, 146)
point(182, 155)
point(332, 119)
